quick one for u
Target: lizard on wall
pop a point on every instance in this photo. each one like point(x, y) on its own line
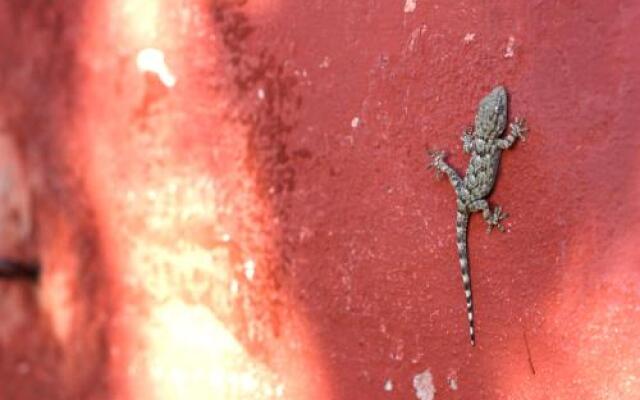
point(485, 143)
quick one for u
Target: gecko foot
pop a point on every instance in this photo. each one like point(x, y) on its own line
point(519, 128)
point(436, 159)
point(495, 218)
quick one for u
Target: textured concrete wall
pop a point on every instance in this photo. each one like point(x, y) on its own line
point(229, 200)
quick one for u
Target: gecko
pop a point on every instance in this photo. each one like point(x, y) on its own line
point(485, 143)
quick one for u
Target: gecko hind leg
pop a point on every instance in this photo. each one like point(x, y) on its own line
point(491, 218)
point(437, 162)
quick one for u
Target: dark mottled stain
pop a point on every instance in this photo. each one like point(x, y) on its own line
point(269, 123)
point(302, 153)
point(271, 120)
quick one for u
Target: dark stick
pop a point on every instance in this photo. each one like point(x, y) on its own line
point(526, 343)
point(19, 270)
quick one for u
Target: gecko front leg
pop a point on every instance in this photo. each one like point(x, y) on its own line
point(518, 130)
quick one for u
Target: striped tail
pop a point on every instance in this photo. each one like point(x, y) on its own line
point(462, 220)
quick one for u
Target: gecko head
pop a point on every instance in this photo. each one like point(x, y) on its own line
point(491, 117)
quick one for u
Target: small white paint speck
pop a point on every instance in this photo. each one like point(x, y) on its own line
point(355, 122)
point(388, 385)
point(410, 6)
point(453, 382)
point(469, 37)
point(326, 61)
point(152, 60)
point(280, 390)
point(249, 269)
point(233, 287)
point(261, 94)
point(508, 52)
point(226, 237)
point(423, 384)
point(23, 368)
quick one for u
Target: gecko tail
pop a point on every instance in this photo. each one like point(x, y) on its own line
point(462, 221)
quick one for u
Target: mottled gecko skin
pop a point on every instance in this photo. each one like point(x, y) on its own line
point(485, 144)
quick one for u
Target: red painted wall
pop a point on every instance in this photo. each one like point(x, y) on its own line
point(265, 226)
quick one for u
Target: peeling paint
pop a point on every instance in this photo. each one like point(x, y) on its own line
point(452, 380)
point(469, 37)
point(249, 269)
point(410, 6)
point(152, 60)
point(423, 384)
point(509, 51)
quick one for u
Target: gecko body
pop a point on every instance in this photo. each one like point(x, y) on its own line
point(485, 144)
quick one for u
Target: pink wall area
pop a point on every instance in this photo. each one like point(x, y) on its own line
point(229, 199)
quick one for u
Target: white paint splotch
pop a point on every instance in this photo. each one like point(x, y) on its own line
point(249, 269)
point(469, 37)
point(452, 380)
point(410, 6)
point(509, 50)
point(152, 61)
point(423, 384)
